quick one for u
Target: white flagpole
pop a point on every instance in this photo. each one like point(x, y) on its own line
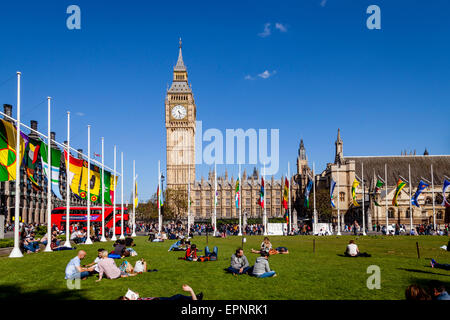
point(432, 193)
point(410, 206)
point(88, 196)
point(338, 204)
point(103, 239)
point(49, 187)
point(240, 201)
point(289, 197)
point(134, 199)
point(215, 200)
point(265, 202)
point(363, 205)
point(385, 199)
point(314, 191)
point(189, 202)
point(16, 253)
point(114, 238)
point(67, 243)
point(159, 197)
point(121, 191)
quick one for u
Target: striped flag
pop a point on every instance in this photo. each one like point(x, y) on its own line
point(54, 167)
point(332, 186)
point(400, 185)
point(354, 186)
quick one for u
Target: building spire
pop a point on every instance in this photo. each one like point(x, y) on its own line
point(180, 64)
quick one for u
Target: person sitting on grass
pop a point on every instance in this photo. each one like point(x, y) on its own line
point(444, 266)
point(129, 242)
point(177, 246)
point(179, 297)
point(108, 267)
point(261, 269)
point(239, 263)
point(31, 244)
point(56, 247)
point(438, 290)
point(353, 251)
point(265, 246)
point(191, 253)
point(94, 265)
point(74, 269)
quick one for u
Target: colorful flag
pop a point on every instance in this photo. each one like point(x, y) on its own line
point(354, 186)
point(378, 186)
point(261, 194)
point(106, 188)
point(8, 151)
point(112, 187)
point(422, 186)
point(54, 167)
point(445, 203)
point(159, 200)
point(31, 160)
point(307, 192)
point(136, 201)
point(286, 216)
point(286, 193)
point(95, 183)
point(400, 185)
point(74, 174)
point(332, 186)
point(237, 194)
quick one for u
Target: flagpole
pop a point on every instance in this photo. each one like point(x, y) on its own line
point(432, 193)
point(134, 200)
point(385, 199)
point(49, 186)
point(265, 212)
point(159, 197)
point(67, 243)
point(363, 200)
point(215, 201)
point(189, 201)
point(103, 239)
point(410, 205)
point(338, 204)
point(88, 196)
point(289, 198)
point(114, 238)
point(16, 253)
point(121, 191)
point(240, 201)
point(314, 200)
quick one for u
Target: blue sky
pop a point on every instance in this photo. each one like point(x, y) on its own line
point(388, 89)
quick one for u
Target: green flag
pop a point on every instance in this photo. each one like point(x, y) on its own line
point(107, 187)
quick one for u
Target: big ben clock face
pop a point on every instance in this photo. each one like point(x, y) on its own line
point(179, 112)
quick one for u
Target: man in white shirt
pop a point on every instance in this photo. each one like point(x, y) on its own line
point(353, 251)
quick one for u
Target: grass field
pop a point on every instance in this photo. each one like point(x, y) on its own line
point(302, 274)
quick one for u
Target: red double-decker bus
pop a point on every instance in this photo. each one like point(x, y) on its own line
point(79, 215)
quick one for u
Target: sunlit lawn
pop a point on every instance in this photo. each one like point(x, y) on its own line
point(302, 274)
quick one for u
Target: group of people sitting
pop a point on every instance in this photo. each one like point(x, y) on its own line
point(239, 265)
point(436, 291)
point(104, 266)
point(122, 249)
point(266, 246)
point(191, 253)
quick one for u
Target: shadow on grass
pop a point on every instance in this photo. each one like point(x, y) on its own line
point(422, 271)
point(12, 292)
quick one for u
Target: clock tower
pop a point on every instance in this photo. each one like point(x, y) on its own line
point(180, 116)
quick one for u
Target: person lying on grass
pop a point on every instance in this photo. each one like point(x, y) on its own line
point(74, 269)
point(177, 246)
point(108, 267)
point(444, 266)
point(265, 246)
point(239, 263)
point(353, 251)
point(209, 256)
point(261, 269)
point(180, 297)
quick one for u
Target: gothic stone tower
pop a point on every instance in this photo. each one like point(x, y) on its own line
point(180, 116)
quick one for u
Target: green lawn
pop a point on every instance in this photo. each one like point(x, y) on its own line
point(302, 274)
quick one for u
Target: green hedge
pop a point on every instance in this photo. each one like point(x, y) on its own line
point(5, 243)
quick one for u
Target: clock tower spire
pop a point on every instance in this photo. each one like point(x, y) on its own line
point(180, 116)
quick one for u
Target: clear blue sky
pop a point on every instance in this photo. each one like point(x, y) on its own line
point(388, 90)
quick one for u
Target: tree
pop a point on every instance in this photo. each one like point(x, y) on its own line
point(176, 203)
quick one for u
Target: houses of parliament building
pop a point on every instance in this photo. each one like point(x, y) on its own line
point(180, 117)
